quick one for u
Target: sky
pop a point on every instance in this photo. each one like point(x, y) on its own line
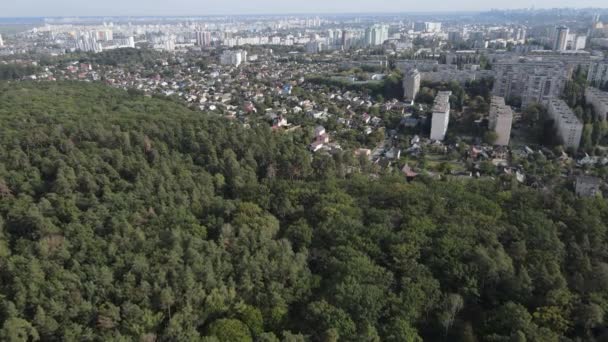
point(40, 8)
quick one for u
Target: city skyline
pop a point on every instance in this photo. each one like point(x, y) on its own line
point(60, 8)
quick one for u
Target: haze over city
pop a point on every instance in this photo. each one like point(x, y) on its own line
point(27, 8)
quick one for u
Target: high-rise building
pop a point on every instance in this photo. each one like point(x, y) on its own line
point(104, 35)
point(561, 38)
point(376, 35)
point(599, 100)
point(411, 84)
point(1, 41)
point(598, 74)
point(569, 127)
point(441, 115)
point(346, 39)
point(427, 27)
point(314, 46)
point(234, 58)
point(88, 42)
point(454, 36)
point(530, 81)
point(203, 38)
point(500, 120)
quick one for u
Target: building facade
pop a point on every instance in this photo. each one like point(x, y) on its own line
point(441, 115)
point(411, 85)
point(234, 58)
point(598, 74)
point(569, 128)
point(500, 120)
point(530, 81)
point(561, 38)
point(599, 100)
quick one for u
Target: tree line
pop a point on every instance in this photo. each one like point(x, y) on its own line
point(124, 217)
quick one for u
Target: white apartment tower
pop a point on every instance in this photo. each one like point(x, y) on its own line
point(569, 127)
point(234, 58)
point(500, 120)
point(376, 35)
point(411, 85)
point(561, 38)
point(598, 74)
point(203, 38)
point(441, 115)
point(599, 100)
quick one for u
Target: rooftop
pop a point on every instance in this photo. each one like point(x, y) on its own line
point(442, 102)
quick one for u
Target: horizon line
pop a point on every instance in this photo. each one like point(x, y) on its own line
point(382, 13)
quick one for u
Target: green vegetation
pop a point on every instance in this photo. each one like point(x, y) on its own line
point(16, 71)
point(131, 218)
point(595, 130)
point(389, 88)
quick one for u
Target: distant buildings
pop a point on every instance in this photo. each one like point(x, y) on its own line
point(598, 74)
point(203, 38)
point(561, 38)
point(88, 42)
point(411, 84)
point(314, 46)
point(569, 127)
point(234, 58)
point(1, 41)
point(530, 81)
point(501, 120)
point(599, 100)
point(441, 115)
point(119, 43)
point(427, 27)
point(454, 36)
point(376, 35)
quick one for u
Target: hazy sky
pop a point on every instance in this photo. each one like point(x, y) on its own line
point(15, 8)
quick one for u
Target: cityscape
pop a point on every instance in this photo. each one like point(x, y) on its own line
point(406, 176)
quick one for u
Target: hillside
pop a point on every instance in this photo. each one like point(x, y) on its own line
point(132, 218)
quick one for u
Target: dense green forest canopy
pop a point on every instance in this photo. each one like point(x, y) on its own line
point(126, 218)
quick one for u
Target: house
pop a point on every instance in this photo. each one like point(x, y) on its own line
point(393, 153)
point(315, 146)
point(408, 172)
point(319, 130)
point(587, 186)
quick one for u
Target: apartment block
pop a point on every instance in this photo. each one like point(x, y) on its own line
point(569, 127)
point(441, 115)
point(501, 120)
point(599, 100)
point(411, 85)
point(598, 74)
point(532, 81)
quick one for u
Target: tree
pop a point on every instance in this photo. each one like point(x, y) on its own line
point(490, 137)
point(229, 330)
point(17, 329)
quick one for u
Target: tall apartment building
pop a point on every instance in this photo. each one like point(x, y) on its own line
point(598, 74)
point(411, 84)
point(203, 38)
point(234, 58)
point(599, 100)
point(1, 41)
point(376, 35)
point(561, 38)
point(441, 115)
point(569, 127)
point(530, 80)
point(427, 26)
point(501, 120)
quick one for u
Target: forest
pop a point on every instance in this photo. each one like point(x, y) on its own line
point(130, 218)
